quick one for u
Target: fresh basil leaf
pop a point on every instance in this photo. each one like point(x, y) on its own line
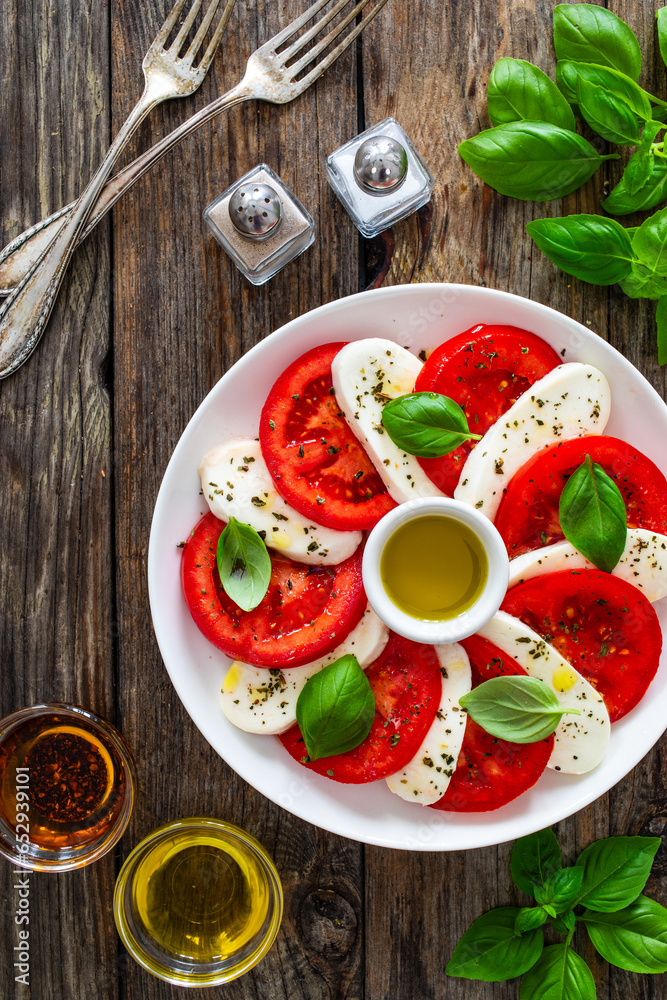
point(607, 115)
point(621, 201)
point(426, 424)
point(661, 323)
point(589, 247)
point(529, 918)
point(533, 161)
point(244, 564)
point(642, 283)
point(561, 890)
point(560, 974)
point(638, 171)
point(649, 243)
point(565, 922)
point(518, 709)
point(615, 871)
point(569, 73)
point(519, 91)
point(587, 33)
point(336, 708)
point(661, 16)
point(592, 515)
point(490, 950)
point(634, 938)
point(535, 859)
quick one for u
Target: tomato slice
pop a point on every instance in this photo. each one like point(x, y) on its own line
point(484, 370)
point(407, 684)
point(315, 460)
point(601, 624)
point(491, 772)
point(307, 610)
point(528, 514)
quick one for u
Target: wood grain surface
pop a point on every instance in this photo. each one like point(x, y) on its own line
point(151, 315)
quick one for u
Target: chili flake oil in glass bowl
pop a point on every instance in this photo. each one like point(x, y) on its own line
point(198, 902)
point(67, 787)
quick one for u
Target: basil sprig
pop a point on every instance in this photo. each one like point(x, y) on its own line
point(627, 929)
point(518, 709)
point(592, 515)
point(426, 424)
point(335, 709)
point(244, 564)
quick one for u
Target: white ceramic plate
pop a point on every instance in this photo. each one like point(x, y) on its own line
point(415, 316)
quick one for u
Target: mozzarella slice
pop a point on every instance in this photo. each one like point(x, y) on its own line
point(264, 701)
point(580, 741)
point(237, 483)
point(366, 374)
point(426, 777)
point(643, 563)
point(571, 401)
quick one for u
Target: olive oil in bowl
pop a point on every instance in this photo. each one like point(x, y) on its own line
point(433, 567)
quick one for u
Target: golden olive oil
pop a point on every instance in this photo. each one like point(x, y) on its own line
point(433, 567)
point(200, 896)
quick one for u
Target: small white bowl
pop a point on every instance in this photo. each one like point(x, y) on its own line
point(469, 621)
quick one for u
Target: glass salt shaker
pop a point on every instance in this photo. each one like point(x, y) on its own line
point(260, 223)
point(379, 177)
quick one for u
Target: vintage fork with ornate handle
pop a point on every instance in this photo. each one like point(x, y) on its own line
point(25, 313)
point(270, 75)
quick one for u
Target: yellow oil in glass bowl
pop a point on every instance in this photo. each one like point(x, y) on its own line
point(433, 567)
point(198, 902)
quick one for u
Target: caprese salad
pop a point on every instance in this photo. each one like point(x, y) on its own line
point(272, 575)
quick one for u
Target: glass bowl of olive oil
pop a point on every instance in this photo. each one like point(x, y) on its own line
point(198, 902)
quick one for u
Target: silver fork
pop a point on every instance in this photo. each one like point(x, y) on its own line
point(24, 314)
point(270, 76)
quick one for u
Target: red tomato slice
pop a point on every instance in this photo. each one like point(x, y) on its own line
point(528, 514)
point(491, 772)
point(407, 684)
point(315, 460)
point(484, 370)
point(602, 625)
point(307, 610)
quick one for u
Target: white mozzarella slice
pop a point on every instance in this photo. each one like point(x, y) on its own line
point(366, 374)
point(580, 741)
point(571, 401)
point(264, 701)
point(643, 563)
point(426, 777)
point(237, 483)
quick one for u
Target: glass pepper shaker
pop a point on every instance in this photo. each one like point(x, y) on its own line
point(260, 223)
point(379, 177)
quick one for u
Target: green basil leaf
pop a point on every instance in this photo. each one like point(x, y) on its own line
point(519, 91)
point(649, 243)
point(589, 247)
point(634, 938)
point(615, 871)
point(661, 16)
point(592, 515)
point(490, 950)
point(560, 974)
point(642, 282)
point(244, 564)
point(661, 324)
point(533, 161)
point(529, 918)
point(336, 708)
point(426, 424)
point(518, 709)
point(638, 171)
point(621, 201)
point(535, 859)
point(561, 890)
point(565, 922)
point(587, 33)
point(568, 74)
point(607, 115)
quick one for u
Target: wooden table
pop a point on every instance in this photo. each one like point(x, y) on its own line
point(151, 315)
